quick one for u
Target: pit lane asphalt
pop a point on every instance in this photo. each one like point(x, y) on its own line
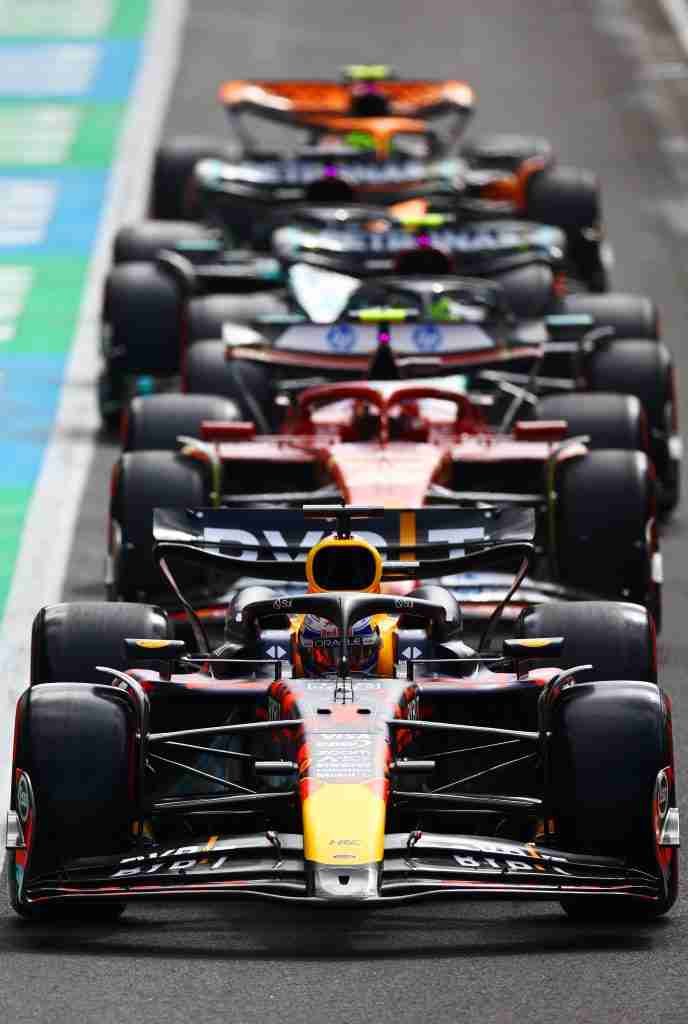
point(576, 72)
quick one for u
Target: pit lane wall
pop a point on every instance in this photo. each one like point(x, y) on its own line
point(67, 69)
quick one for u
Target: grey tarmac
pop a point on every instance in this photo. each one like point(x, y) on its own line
point(607, 82)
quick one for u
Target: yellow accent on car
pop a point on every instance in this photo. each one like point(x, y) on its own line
point(423, 220)
point(407, 534)
point(387, 626)
point(381, 314)
point(539, 642)
point(344, 824)
point(367, 72)
point(350, 544)
point(152, 645)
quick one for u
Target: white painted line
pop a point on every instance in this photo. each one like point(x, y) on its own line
point(53, 511)
point(677, 14)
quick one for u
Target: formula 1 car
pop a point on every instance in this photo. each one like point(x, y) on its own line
point(344, 747)
point(175, 284)
point(369, 138)
point(394, 443)
point(410, 327)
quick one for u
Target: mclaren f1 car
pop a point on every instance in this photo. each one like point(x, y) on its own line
point(343, 746)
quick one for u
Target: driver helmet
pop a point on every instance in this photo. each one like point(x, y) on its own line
point(318, 643)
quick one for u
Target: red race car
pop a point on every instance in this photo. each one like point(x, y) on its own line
point(396, 444)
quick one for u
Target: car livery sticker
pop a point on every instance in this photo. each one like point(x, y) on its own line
point(406, 339)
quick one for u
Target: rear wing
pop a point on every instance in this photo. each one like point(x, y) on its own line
point(286, 535)
point(347, 338)
point(294, 101)
point(324, 107)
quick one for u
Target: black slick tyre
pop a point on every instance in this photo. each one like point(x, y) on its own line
point(645, 369)
point(136, 243)
point(609, 420)
point(616, 637)
point(74, 754)
point(208, 315)
point(504, 150)
point(631, 316)
point(154, 422)
point(568, 197)
point(171, 196)
point(605, 527)
point(610, 757)
point(142, 316)
point(68, 640)
point(247, 383)
point(143, 481)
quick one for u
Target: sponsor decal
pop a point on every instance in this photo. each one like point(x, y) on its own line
point(342, 755)
point(488, 865)
point(271, 543)
point(413, 709)
point(355, 238)
point(427, 338)
point(23, 798)
point(305, 172)
point(341, 337)
point(455, 338)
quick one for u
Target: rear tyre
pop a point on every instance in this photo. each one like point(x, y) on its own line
point(631, 316)
point(645, 369)
point(154, 422)
point(143, 317)
point(610, 421)
point(171, 196)
point(568, 197)
point(529, 290)
point(208, 371)
point(69, 640)
point(618, 639)
point(611, 780)
point(143, 481)
point(139, 243)
point(605, 527)
point(75, 742)
point(209, 315)
point(504, 150)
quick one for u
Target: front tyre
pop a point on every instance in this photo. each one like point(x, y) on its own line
point(610, 787)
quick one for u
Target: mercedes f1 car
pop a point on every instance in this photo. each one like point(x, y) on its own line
point(344, 746)
point(172, 287)
point(373, 138)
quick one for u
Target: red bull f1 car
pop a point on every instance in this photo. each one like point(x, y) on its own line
point(343, 746)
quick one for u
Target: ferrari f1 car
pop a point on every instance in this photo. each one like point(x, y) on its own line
point(392, 443)
point(344, 746)
point(370, 139)
point(398, 327)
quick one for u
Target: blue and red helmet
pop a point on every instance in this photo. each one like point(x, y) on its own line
point(319, 645)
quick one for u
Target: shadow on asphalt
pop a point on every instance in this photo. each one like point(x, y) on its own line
point(216, 933)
